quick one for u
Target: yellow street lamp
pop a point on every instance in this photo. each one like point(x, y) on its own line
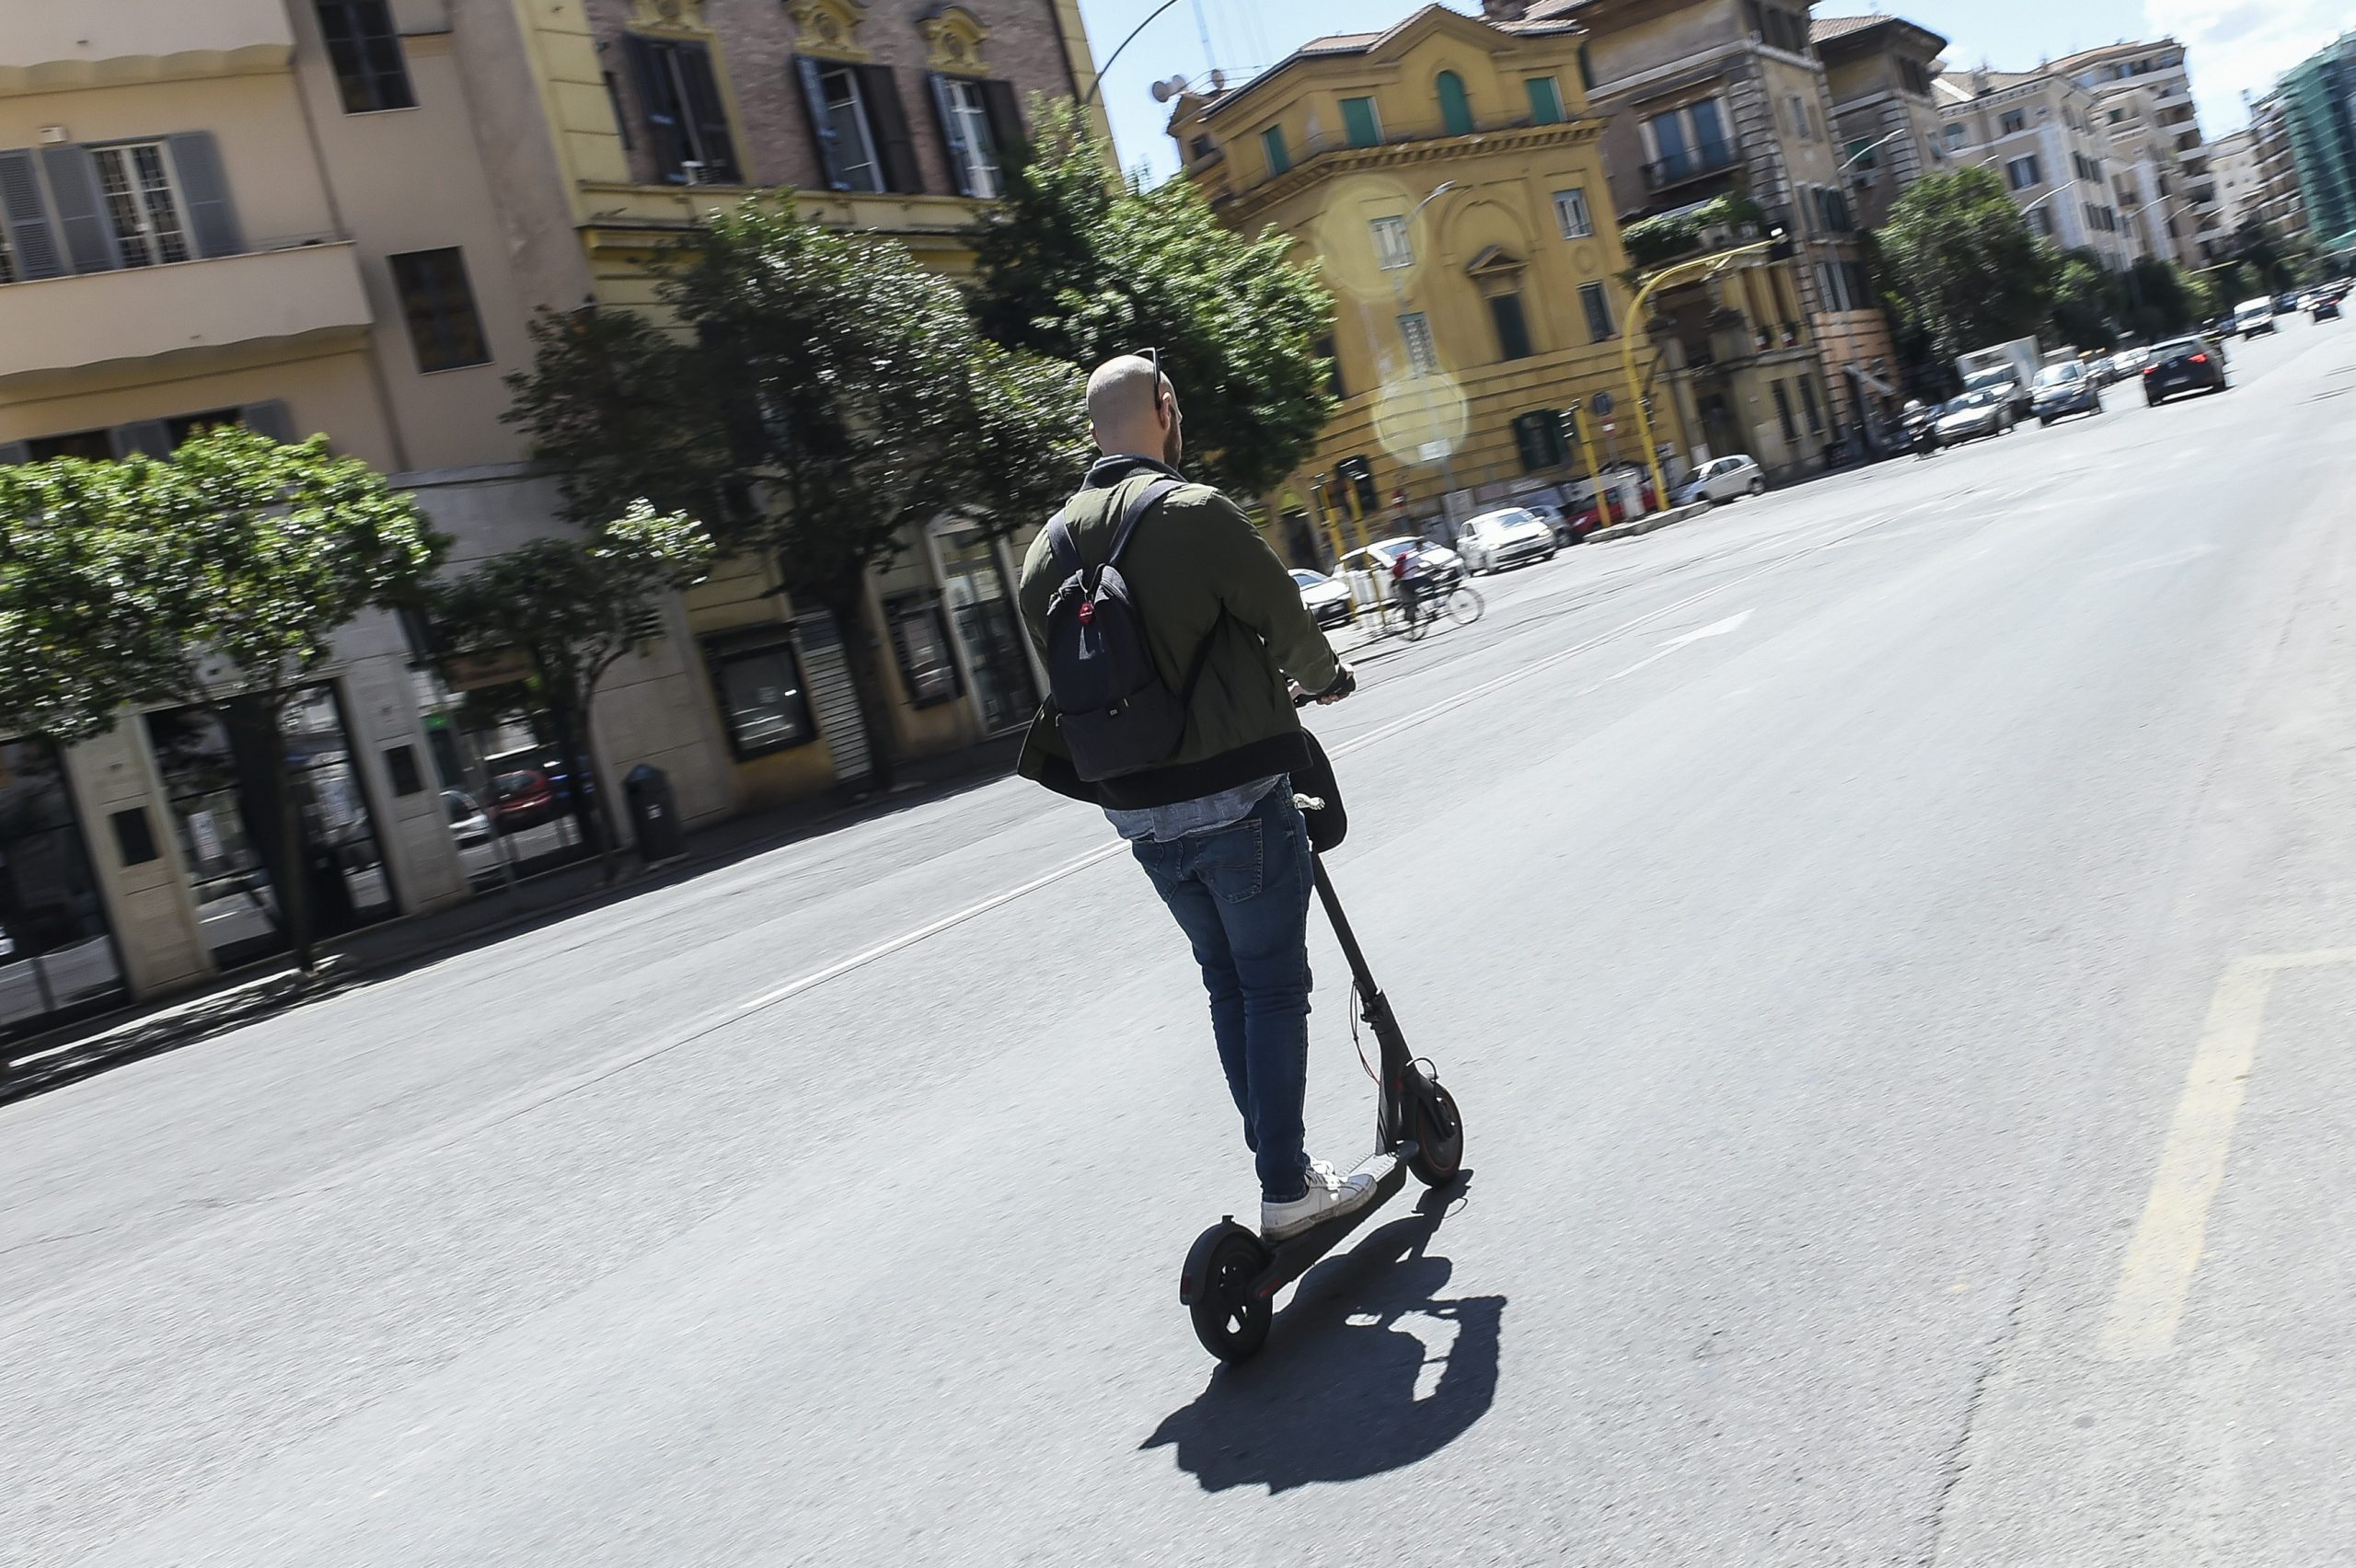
point(1701, 266)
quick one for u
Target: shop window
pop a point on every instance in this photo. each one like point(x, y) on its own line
point(444, 329)
point(920, 643)
point(762, 700)
point(57, 959)
point(366, 49)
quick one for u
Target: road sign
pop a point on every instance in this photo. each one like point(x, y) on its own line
point(1602, 405)
point(1436, 451)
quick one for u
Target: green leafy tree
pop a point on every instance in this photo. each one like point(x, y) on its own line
point(217, 578)
point(2085, 301)
point(90, 595)
point(1964, 267)
point(823, 396)
point(1079, 269)
point(573, 607)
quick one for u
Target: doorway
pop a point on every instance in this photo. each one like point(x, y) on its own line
point(57, 958)
point(988, 628)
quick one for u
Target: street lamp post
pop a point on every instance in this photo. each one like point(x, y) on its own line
point(1701, 266)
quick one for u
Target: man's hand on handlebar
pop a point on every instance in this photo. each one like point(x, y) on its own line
point(1344, 684)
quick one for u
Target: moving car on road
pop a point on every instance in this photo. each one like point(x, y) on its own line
point(1328, 598)
point(2253, 317)
point(1722, 479)
point(2186, 365)
point(1512, 536)
point(2065, 388)
point(2325, 307)
point(1973, 415)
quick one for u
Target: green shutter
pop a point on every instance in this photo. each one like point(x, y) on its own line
point(1359, 122)
point(1455, 109)
point(1271, 142)
point(1545, 101)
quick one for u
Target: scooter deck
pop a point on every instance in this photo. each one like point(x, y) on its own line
point(1291, 1258)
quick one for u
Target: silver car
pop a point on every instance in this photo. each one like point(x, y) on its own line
point(1722, 479)
point(1973, 415)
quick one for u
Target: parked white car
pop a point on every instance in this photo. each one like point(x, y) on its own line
point(1722, 479)
point(1368, 572)
point(1328, 598)
point(1496, 540)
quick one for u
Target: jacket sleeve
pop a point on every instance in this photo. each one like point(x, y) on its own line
point(1257, 589)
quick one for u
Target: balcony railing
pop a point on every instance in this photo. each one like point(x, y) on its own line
point(1695, 163)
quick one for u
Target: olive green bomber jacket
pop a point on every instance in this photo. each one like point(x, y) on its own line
point(1198, 572)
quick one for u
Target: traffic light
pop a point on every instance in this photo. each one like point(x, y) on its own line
point(1781, 248)
point(1358, 476)
point(1568, 420)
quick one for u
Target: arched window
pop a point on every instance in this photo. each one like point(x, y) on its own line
point(1455, 109)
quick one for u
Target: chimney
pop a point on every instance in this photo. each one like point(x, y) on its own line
point(1505, 10)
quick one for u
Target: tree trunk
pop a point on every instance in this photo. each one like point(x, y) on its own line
point(866, 678)
point(611, 824)
point(581, 783)
point(252, 722)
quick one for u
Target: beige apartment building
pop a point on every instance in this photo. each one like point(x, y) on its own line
point(1878, 71)
point(2168, 153)
point(1712, 97)
point(337, 216)
point(2040, 131)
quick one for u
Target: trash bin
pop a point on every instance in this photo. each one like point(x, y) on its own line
point(653, 816)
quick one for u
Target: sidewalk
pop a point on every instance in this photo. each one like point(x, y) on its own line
point(244, 995)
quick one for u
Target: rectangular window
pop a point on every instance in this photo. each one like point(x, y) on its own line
point(135, 180)
point(1599, 312)
point(1331, 354)
point(442, 326)
point(973, 140)
point(614, 102)
point(2013, 120)
point(1571, 213)
point(1538, 438)
point(686, 120)
point(920, 643)
point(1393, 246)
point(1423, 355)
point(8, 257)
point(762, 700)
point(1272, 144)
point(2041, 223)
point(1360, 122)
point(91, 445)
point(366, 49)
point(1808, 402)
point(1545, 100)
point(1689, 141)
point(1513, 329)
point(1799, 118)
point(2022, 173)
point(842, 112)
point(1784, 413)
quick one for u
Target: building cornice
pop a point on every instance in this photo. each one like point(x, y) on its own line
point(1336, 162)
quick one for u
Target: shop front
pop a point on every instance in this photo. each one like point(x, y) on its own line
point(975, 568)
point(57, 956)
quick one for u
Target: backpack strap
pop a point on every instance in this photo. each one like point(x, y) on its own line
point(1064, 548)
point(1140, 504)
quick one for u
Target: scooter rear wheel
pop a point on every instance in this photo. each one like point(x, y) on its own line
point(1230, 1318)
point(1437, 1130)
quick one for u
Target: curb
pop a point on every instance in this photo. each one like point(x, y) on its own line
point(1637, 525)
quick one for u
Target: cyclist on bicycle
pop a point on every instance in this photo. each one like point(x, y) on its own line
point(1411, 577)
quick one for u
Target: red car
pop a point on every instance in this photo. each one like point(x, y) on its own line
point(522, 799)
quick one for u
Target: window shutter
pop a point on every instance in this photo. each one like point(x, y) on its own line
point(73, 182)
point(197, 158)
point(268, 420)
point(708, 113)
point(887, 120)
point(952, 135)
point(26, 211)
point(822, 129)
point(1006, 121)
point(141, 438)
point(664, 126)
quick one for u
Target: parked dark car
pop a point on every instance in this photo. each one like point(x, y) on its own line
point(2186, 365)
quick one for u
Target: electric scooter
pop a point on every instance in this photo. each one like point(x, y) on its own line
point(1232, 1276)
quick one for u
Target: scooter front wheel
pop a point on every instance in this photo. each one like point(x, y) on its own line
point(1438, 1129)
point(1230, 1318)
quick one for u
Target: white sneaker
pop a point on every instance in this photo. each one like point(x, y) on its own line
point(1329, 1195)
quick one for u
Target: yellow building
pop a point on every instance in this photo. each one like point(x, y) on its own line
point(1446, 177)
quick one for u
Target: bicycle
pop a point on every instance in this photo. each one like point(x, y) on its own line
point(1460, 603)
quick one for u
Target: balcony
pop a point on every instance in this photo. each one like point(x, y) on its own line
point(308, 294)
point(1695, 163)
point(58, 45)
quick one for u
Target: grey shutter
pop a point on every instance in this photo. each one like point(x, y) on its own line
point(73, 184)
point(833, 696)
point(822, 129)
point(14, 451)
point(268, 419)
point(141, 438)
point(888, 121)
point(950, 136)
point(707, 114)
point(197, 158)
point(31, 235)
point(1006, 123)
point(660, 103)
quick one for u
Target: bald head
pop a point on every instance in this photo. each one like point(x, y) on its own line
point(1133, 410)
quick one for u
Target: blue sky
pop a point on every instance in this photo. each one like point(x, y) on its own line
point(2236, 44)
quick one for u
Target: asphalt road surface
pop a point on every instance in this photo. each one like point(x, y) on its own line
point(1894, 943)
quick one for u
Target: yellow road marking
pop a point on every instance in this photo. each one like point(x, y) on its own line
point(2156, 1274)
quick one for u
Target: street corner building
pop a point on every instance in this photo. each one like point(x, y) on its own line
point(338, 217)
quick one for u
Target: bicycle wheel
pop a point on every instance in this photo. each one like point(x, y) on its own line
point(1419, 621)
point(1464, 606)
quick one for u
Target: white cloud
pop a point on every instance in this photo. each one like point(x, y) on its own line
point(2238, 46)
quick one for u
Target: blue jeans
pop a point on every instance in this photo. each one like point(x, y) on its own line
point(1241, 894)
